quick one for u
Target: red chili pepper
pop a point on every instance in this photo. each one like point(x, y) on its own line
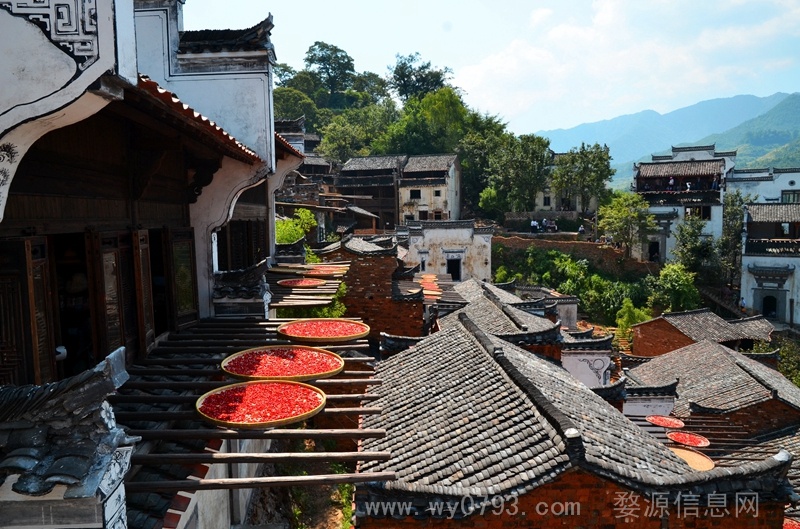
point(689, 439)
point(282, 362)
point(323, 328)
point(301, 282)
point(259, 402)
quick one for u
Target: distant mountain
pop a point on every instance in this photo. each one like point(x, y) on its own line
point(634, 137)
point(770, 139)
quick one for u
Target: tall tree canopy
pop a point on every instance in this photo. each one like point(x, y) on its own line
point(627, 219)
point(290, 103)
point(410, 77)
point(518, 170)
point(583, 173)
point(433, 124)
point(693, 249)
point(334, 67)
point(352, 132)
point(729, 244)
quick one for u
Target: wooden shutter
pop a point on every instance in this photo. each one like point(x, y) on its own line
point(27, 344)
point(106, 292)
point(13, 368)
point(181, 276)
point(144, 294)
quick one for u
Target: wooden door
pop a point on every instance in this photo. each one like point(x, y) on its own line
point(144, 291)
point(181, 276)
point(27, 343)
point(105, 283)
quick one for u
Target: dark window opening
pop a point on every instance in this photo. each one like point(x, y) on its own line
point(769, 307)
point(437, 215)
point(423, 215)
point(454, 269)
point(437, 193)
point(704, 212)
point(790, 197)
point(415, 194)
point(546, 201)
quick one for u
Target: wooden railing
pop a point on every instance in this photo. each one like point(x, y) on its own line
point(777, 247)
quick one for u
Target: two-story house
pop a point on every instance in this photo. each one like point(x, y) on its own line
point(689, 181)
point(429, 187)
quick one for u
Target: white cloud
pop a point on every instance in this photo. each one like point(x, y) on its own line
point(618, 59)
point(539, 16)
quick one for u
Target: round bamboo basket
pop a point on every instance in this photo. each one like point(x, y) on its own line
point(263, 424)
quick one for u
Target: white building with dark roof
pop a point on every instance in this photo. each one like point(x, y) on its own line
point(689, 181)
point(771, 249)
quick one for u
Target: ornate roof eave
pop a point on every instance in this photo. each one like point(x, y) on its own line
point(771, 271)
point(591, 343)
point(667, 390)
point(613, 392)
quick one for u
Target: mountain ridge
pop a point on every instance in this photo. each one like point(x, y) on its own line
point(730, 123)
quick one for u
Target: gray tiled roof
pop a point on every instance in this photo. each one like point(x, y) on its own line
point(496, 316)
point(774, 212)
point(457, 425)
point(681, 169)
point(755, 327)
point(359, 245)
point(361, 211)
point(467, 413)
point(712, 376)
point(612, 442)
point(702, 324)
point(429, 162)
point(372, 163)
point(255, 38)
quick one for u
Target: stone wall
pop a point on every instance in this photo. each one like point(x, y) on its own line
point(604, 258)
point(369, 295)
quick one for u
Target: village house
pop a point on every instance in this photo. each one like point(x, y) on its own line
point(771, 244)
point(740, 403)
point(543, 452)
point(429, 187)
point(114, 195)
point(689, 181)
point(459, 249)
point(673, 330)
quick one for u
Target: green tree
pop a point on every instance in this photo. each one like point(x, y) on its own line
point(629, 315)
point(518, 169)
point(307, 82)
point(333, 66)
point(583, 173)
point(283, 73)
point(412, 78)
point(627, 219)
point(492, 204)
point(482, 138)
point(289, 103)
point(295, 228)
point(431, 125)
point(372, 85)
point(674, 290)
point(693, 249)
point(729, 244)
point(351, 133)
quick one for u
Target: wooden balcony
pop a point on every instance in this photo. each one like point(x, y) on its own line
point(774, 247)
point(709, 197)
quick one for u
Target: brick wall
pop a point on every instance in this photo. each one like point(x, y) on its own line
point(765, 417)
point(604, 258)
point(602, 505)
point(657, 337)
point(369, 295)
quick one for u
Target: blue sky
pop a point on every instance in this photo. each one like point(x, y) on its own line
point(548, 64)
